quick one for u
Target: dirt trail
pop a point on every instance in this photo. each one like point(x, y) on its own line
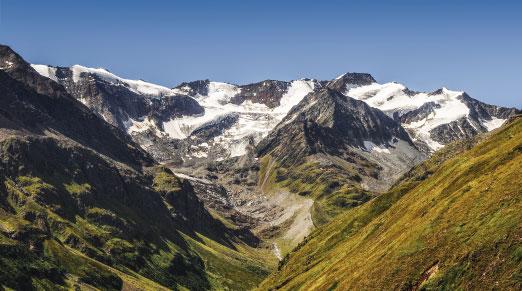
point(277, 251)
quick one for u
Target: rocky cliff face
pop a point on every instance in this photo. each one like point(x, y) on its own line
point(34, 105)
point(119, 101)
point(328, 122)
point(350, 80)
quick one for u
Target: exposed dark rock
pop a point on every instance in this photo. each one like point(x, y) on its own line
point(170, 107)
point(268, 92)
point(472, 124)
point(329, 122)
point(455, 130)
point(483, 111)
point(52, 111)
point(215, 128)
point(418, 114)
point(350, 79)
point(116, 103)
point(199, 87)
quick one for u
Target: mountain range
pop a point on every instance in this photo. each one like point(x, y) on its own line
point(241, 115)
point(113, 184)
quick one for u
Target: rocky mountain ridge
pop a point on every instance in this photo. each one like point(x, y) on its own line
point(205, 120)
point(433, 119)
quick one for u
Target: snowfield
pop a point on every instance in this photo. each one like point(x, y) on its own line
point(494, 123)
point(396, 98)
point(46, 71)
point(136, 86)
point(255, 120)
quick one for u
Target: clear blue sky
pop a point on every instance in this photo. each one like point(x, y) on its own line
point(474, 46)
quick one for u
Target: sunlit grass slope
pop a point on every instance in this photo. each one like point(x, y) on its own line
point(453, 222)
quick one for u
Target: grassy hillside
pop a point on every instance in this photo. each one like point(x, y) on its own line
point(453, 222)
point(71, 217)
point(333, 183)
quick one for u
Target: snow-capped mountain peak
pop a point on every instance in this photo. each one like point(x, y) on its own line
point(238, 110)
point(215, 120)
point(136, 86)
point(428, 115)
point(225, 118)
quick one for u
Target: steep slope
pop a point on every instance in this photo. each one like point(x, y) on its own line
point(82, 206)
point(433, 119)
point(121, 102)
point(453, 222)
point(334, 148)
point(34, 105)
point(62, 202)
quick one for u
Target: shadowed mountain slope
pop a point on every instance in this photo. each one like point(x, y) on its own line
point(82, 206)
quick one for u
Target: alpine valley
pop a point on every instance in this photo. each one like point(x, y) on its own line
point(108, 183)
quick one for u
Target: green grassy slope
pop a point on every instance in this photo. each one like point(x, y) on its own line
point(453, 222)
point(333, 183)
point(70, 217)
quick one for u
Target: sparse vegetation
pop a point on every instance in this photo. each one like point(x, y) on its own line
point(333, 188)
point(108, 228)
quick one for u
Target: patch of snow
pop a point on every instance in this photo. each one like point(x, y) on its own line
point(296, 92)
point(472, 124)
point(494, 123)
point(85, 102)
point(451, 109)
point(199, 154)
point(340, 76)
point(398, 158)
point(6, 65)
point(183, 90)
point(277, 251)
point(222, 92)
point(370, 146)
point(187, 177)
point(46, 71)
point(136, 86)
point(238, 149)
point(134, 126)
point(182, 127)
point(393, 97)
